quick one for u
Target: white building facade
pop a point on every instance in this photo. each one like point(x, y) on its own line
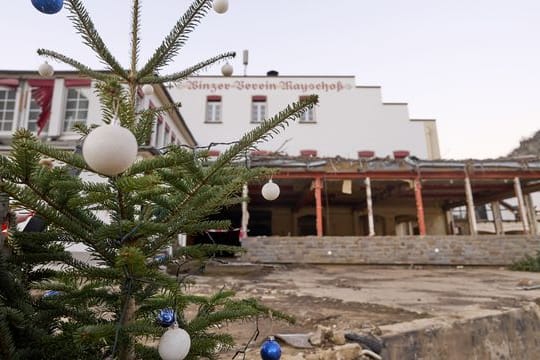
point(348, 118)
point(67, 99)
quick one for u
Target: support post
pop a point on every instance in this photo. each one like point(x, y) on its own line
point(470, 207)
point(449, 222)
point(245, 213)
point(521, 206)
point(318, 206)
point(532, 214)
point(419, 206)
point(497, 217)
point(371, 222)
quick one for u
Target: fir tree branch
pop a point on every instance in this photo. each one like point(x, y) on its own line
point(83, 69)
point(85, 27)
point(63, 156)
point(181, 75)
point(176, 39)
point(52, 215)
point(135, 41)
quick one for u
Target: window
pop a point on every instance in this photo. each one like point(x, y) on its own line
point(76, 109)
point(33, 115)
point(213, 109)
point(258, 108)
point(308, 116)
point(7, 109)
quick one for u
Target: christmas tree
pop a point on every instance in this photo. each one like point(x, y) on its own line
point(109, 310)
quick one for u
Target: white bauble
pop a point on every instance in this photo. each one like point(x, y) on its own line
point(270, 191)
point(221, 6)
point(174, 344)
point(46, 70)
point(110, 149)
point(227, 70)
point(148, 89)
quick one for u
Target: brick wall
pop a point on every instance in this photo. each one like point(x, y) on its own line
point(435, 250)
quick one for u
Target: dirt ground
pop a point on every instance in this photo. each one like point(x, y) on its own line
point(363, 298)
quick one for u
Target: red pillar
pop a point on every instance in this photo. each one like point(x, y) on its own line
point(318, 206)
point(419, 206)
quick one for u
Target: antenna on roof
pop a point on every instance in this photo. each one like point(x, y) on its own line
point(245, 60)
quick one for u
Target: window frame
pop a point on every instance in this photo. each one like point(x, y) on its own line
point(259, 109)
point(67, 124)
point(213, 110)
point(308, 116)
point(4, 101)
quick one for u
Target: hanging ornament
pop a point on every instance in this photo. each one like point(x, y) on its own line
point(227, 70)
point(270, 349)
point(148, 89)
point(174, 344)
point(165, 317)
point(160, 258)
point(46, 70)
point(48, 6)
point(221, 6)
point(270, 190)
point(110, 149)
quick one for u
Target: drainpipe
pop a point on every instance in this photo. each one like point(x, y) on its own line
point(470, 206)
point(419, 206)
point(318, 206)
point(521, 206)
point(371, 222)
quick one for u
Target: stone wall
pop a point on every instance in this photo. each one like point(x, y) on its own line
point(433, 250)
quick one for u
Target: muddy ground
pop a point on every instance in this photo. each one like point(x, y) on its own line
point(363, 298)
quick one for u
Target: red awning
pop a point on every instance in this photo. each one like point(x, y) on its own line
point(77, 82)
point(9, 82)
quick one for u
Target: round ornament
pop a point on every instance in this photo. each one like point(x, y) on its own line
point(48, 6)
point(110, 149)
point(148, 89)
point(221, 6)
point(270, 191)
point(46, 70)
point(165, 317)
point(227, 70)
point(270, 349)
point(174, 344)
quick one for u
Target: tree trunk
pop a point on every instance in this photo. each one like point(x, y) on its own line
point(127, 349)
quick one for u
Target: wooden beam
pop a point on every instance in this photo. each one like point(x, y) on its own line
point(318, 206)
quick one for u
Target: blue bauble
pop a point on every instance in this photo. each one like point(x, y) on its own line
point(165, 317)
point(270, 350)
point(48, 6)
point(160, 258)
point(50, 293)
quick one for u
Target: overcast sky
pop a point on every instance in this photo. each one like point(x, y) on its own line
point(474, 65)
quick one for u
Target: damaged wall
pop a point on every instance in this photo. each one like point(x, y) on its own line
point(513, 334)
